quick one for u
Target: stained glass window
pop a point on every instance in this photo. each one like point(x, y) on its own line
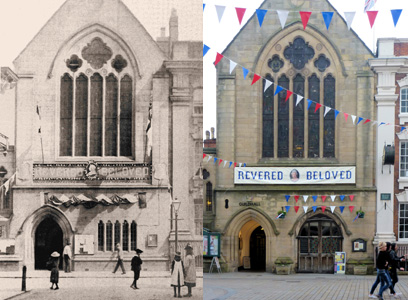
point(314, 122)
point(298, 117)
point(267, 115)
point(283, 119)
point(101, 236)
point(329, 121)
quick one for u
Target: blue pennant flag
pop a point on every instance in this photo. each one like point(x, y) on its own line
point(203, 6)
point(245, 71)
point(396, 13)
point(215, 159)
point(403, 128)
point(341, 208)
point(287, 197)
point(382, 123)
point(309, 102)
point(205, 49)
point(278, 89)
point(314, 198)
point(261, 15)
point(244, 165)
point(336, 113)
point(287, 208)
point(342, 197)
point(314, 208)
point(230, 164)
point(359, 120)
point(327, 17)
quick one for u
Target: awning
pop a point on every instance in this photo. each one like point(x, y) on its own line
point(91, 201)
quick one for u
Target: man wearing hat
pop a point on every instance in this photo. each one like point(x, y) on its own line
point(136, 267)
point(54, 261)
point(120, 259)
point(67, 257)
point(190, 269)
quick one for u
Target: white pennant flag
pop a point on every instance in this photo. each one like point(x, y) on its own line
point(326, 110)
point(374, 123)
point(333, 197)
point(332, 208)
point(232, 66)
point(220, 11)
point(305, 208)
point(267, 84)
point(298, 99)
point(240, 164)
point(305, 198)
point(349, 18)
point(354, 118)
point(225, 162)
point(209, 158)
point(283, 16)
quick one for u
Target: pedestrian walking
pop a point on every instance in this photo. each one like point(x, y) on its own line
point(382, 265)
point(395, 264)
point(387, 275)
point(190, 269)
point(136, 264)
point(67, 257)
point(177, 274)
point(53, 263)
point(120, 259)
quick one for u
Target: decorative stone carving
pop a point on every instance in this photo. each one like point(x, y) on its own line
point(119, 63)
point(96, 53)
point(299, 53)
point(275, 63)
point(74, 63)
point(322, 63)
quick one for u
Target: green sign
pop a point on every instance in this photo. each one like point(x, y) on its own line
point(385, 196)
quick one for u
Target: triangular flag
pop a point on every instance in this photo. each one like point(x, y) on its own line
point(314, 208)
point(333, 197)
point(349, 18)
point(256, 78)
point(261, 15)
point(288, 94)
point(305, 15)
point(267, 84)
point(240, 164)
point(204, 155)
point(220, 162)
point(298, 99)
point(218, 58)
point(353, 118)
point(324, 198)
point(305, 198)
point(245, 72)
point(309, 102)
point(287, 208)
point(235, 164)
point(351, 197)
point(332, 208)
point(283, 16)
point(296, 208)
point(220, 11)
point(318, 105)
point(336, 112)
point(287, 197)
point(278, 89)
point(205, 49)
point(327, 17)
point(382, 123)
point(341, 208)
point(203, 6)
point(359, 120)
point(305, 208)
point(244, 165)
point(232, 66)
point(371, 16)
point(346, 116)
point(209, 158)
point(402, 129)
point(342, 197)
point(225, 162)
point(374, 123)
point(215, 160)
point(240, 13)
point(366, 121)
point(314, 198)
point(396, 13)
point(326, 110)
point(230, 164)
point(296, 198)
point(323, 208)
point(351, 208)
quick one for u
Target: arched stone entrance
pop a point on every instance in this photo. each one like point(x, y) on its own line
point(236, 240)
point(48, 238)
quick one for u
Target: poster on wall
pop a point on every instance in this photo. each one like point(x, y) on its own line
point(84, 244)
point(205, 245)
point(340, 263)
point(214, 245)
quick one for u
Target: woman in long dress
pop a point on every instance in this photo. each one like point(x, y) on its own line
point(189, 263)
point(177, 274)
point(54, 277)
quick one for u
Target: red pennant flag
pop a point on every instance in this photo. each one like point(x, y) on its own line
point(218, 58)
point(204, 155)
point(371, 16)
point(256, 78)
point(324, 198)
point(296, 208)
point(220, 162)
point(366, 121)
point(296, 198)
point(323, 208)
point(318, 105)
point(240, 13)
point(351, 208)
point(345, 116)
point(305, 15)
point(235, 164)
point(351, 197)
point(288, 94)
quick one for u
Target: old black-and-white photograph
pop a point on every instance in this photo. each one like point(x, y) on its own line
point(101, 125)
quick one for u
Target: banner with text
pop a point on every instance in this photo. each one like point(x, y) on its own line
point(295, 175)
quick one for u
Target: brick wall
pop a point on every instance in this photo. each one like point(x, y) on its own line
point(401, 49)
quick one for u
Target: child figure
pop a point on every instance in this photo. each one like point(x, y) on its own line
point(177, 274)
point(54, 261)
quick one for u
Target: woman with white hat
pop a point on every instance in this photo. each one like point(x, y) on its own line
point(54, 261)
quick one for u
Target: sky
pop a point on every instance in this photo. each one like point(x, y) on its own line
point(217, 35)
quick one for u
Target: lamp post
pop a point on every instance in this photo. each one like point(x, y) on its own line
point(176, 206)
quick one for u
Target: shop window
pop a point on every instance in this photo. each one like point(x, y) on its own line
point(403, 158)
point(403, 221)
point(404, 100)
point(120, 233)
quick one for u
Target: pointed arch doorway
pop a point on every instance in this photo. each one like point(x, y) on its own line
point(48, 238)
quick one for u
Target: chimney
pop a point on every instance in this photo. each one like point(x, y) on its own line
point(212, 133)
point(207, 135)
point(173, 26)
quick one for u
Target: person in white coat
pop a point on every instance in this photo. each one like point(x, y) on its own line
point(190, 270)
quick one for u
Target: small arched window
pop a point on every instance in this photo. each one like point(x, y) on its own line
point(109, 228)
point(101, 236)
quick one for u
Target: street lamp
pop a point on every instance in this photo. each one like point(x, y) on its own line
point(176, 206)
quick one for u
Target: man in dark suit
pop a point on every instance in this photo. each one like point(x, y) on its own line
point(136, 267)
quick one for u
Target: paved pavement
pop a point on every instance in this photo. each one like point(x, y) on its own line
point(257, 286)
point(92, 285)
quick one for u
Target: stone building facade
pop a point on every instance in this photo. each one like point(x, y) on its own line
point(108, 133)
point(275, 136)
